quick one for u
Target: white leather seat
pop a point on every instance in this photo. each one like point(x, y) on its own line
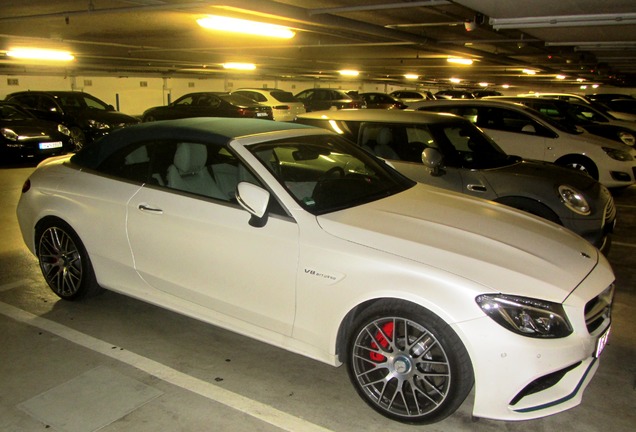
point(190, 173)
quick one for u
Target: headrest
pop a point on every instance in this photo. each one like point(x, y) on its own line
point(190, 158)
point(384, 136)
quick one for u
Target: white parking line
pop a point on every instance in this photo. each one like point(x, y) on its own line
point(631, 245)
point(233, 400)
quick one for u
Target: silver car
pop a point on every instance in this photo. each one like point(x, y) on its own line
point(448, 151)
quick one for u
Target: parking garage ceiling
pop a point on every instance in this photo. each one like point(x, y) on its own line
point(561, 41)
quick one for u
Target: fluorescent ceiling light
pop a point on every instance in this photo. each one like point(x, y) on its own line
point(455, 80)
point(239, 66)
point(411, 76)
point(564, 21)
point(483, 84)
point(561, 77)
point(349, 72)
point(506, 86)
point(529, 72)
point(461, 61)
point(215, 22)
point(40, 54)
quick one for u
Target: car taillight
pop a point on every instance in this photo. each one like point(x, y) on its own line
point(242, 112)
point(26, 186)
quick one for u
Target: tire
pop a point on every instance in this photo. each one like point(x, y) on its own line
point(78, 137)
point(581, 164)
point(531, 206)
point(64, 261)
point(408, 364)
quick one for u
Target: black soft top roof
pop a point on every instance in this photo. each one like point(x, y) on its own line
point(207, 130)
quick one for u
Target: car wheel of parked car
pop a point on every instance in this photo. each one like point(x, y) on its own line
point(532, 207)
point(78, 137)
point(64, 261)
point(407, 363)
point(580, 163)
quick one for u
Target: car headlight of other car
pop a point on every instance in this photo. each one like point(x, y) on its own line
point(63, 129)
point(618, 155)
point(94, 124)
point(627, 138)
point(526, 316)
point(574, 200)
point(9, 134)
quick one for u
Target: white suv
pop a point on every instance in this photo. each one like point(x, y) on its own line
point(522, 131)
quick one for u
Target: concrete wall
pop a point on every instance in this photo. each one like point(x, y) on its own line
point(133, 95)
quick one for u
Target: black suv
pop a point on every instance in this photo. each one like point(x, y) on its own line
point(87, 117)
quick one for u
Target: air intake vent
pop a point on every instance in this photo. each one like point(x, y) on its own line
point(599, 309)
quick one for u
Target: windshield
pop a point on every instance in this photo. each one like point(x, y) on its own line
point(326, 173)
point(8, 112)
point(81, 101)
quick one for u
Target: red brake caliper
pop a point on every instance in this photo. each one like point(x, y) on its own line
point(379, 336)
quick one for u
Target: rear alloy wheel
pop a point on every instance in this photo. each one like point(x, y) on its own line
point(408, 364)
point(581, 164)
point(64, 262)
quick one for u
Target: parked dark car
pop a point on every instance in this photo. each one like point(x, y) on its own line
point(605, 97)
point(451, 153)
point(22, 135)
point(408, 96)
point(317, 99)
point(485, 93)
point(583, 115)
point(627, 105)
point(87, 117)
point(454, 94)
point(209, 104)
point(381, 101)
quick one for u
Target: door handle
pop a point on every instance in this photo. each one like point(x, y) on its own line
point(145, 208)
point(476, 188)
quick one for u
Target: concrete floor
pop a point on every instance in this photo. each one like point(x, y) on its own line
point(116, 364)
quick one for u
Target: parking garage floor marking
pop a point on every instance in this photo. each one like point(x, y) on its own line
point(203, 388)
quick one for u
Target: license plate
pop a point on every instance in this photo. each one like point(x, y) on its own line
point(50, 145)
point(261, 114)
point(601, 342)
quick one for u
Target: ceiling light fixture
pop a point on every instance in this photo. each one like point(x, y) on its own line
point(349, 72)
point(216, 22)
point(529, 72)
point(563, 21)
point(40, 54)
point(561, 77)
point(239, 66)
point(411, 76)
point(461, 61)
point(455, 80)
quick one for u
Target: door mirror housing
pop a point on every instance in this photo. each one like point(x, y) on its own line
point(433, 160)
point(254, 199)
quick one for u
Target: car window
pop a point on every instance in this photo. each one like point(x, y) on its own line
point(283, 96)
point(8, 112)
point(201, 169)
point(326, 173)
point(206, 100)
point(395, 141)
point(95, 103)
point(184, 101)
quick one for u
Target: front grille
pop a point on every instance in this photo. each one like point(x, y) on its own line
point(599, 309)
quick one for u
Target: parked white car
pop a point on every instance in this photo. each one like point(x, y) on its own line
point(285, 106)
point(296, 237)
point(522, 131)
point(571, 97)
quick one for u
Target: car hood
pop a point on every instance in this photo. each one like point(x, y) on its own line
point(532, 170)
point(32, 128)
point(492, 245)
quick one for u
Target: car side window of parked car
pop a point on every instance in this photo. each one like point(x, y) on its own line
point(395, 141)
point(201, 169)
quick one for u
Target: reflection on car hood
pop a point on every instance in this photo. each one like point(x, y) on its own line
point(493, 245)
point(32, 128)
point(538, 170)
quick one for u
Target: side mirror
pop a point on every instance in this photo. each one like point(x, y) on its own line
point(529, 129)
point(432, 160)
point(254, 199)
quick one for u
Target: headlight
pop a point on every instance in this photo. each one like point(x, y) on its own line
point(98, 125)
point(63, 129)
point(574, 200)
point(618, 155)
point(526, 316)
point(627, 138)
point(9, 134)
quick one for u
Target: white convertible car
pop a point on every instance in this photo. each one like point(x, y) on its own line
point(293, 236)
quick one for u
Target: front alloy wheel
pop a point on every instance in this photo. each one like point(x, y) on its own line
point(409, 365)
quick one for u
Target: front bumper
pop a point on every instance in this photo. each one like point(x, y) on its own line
point(522, 378)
